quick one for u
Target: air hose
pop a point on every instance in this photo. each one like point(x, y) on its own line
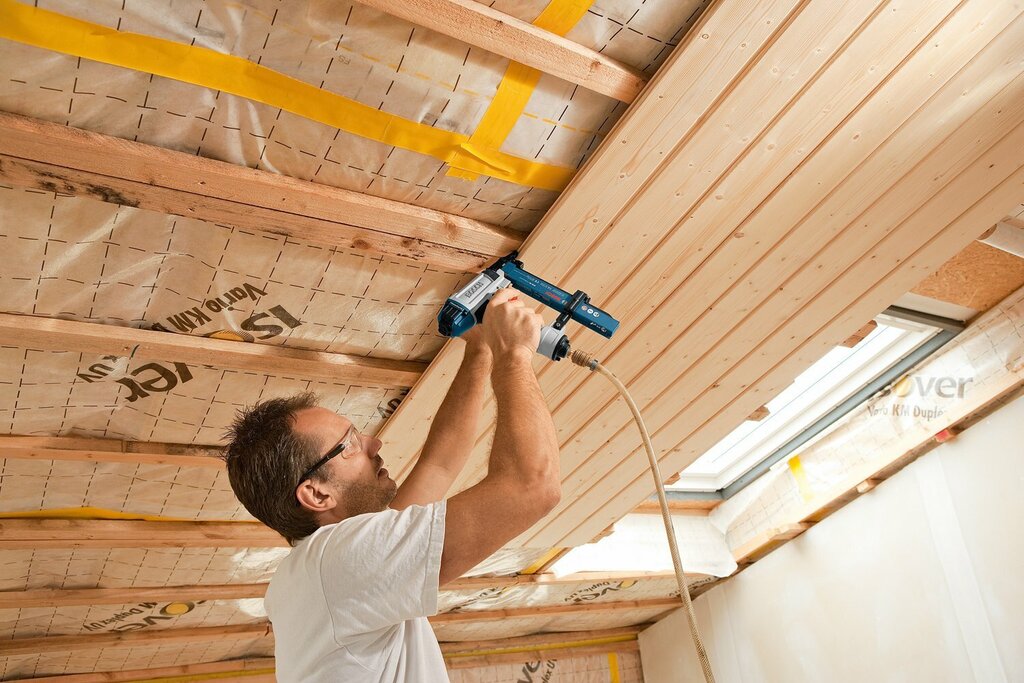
point(585, 360)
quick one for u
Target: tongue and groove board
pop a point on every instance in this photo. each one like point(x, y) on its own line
point(793, 169)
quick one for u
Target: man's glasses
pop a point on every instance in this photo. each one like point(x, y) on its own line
point(348, 446)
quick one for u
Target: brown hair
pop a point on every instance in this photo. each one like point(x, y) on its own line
point(265, 457)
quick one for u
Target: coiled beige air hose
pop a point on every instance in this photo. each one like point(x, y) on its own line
point(585, 360)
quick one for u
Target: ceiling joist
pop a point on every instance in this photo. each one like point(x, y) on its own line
point(256, 670)
point(55, 158)
point(108, 450)
point(163, 636)
point(27, 534)
point(481, 26)
point(52, 334)
point(73, 597)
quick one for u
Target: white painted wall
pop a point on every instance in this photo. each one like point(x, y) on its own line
point(922, 579)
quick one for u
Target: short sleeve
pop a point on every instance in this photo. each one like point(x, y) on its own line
point(381, 569)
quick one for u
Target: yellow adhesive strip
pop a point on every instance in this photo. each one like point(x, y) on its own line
point(542, 560)
point(517, 85)
point(613, 667)
point(547, 646)
point(802, 482)
point(204, 67)
point(99, 513)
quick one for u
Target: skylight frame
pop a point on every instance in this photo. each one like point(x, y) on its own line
point(729, 479)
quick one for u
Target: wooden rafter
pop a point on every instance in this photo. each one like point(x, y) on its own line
point(32, 332)
point(71, 597)
point(56, 158)
point(555, 610)
point(108, 450)
point(257, 670)
point(542, 654)
point(27, 534)
point(488, 29)
point(94, 641)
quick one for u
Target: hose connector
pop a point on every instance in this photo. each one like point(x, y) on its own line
point(584, 360)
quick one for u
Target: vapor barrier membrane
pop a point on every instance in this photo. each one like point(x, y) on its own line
point(593, 669)
point(353, 51)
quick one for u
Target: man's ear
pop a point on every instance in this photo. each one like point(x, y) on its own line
point(315, 496)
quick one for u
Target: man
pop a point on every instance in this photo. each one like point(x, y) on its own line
point(350, 601)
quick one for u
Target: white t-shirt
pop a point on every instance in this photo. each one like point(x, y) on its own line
point(349, 603)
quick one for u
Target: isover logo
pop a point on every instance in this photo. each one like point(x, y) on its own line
point(921, 385)
point(142, 615)
point(599, 590)
point(532, 673)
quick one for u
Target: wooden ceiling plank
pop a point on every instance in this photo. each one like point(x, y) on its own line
point(691, 345)
point(57, 158)
point(196, 670)
point(108, 450)
point(716, 418)
point(736, 234)
point(793, 119)
point(140, 638)
point(483, 27)
point(23, 533)
point(905, 240)
point(711, 57)
point(33, 332)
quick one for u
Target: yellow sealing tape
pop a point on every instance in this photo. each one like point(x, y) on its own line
point(542, 560)
point(204, 67)
point(613, 667)
point(803, 483)
point(516, 87)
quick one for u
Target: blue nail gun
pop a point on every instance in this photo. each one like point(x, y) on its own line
point(466, 307)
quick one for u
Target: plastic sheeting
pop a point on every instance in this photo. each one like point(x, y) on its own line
point(981, 363)
point(353, 51)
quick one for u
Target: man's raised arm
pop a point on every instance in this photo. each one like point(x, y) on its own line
point(454, 429)
point(522, 483)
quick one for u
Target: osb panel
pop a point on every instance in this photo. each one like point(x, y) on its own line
point(978, 277)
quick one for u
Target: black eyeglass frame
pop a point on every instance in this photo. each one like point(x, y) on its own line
point(333, 453)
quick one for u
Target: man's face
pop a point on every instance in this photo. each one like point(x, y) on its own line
point(359, 478)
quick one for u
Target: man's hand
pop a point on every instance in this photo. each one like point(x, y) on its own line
point(509, 325)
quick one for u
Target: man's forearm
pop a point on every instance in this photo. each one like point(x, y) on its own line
point(455, 427)
point(525, 443)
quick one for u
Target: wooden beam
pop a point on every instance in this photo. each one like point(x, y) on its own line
point(764, 543)
point(488, 29)
point(540, 640)
point(694, 508)
point(251, 670)
point(554, 610)
point(108, 450)
point(75, 597)
point(541, 654)
point(95, 641)
point(56, 158)
point(25, 331)
point(29, 534)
